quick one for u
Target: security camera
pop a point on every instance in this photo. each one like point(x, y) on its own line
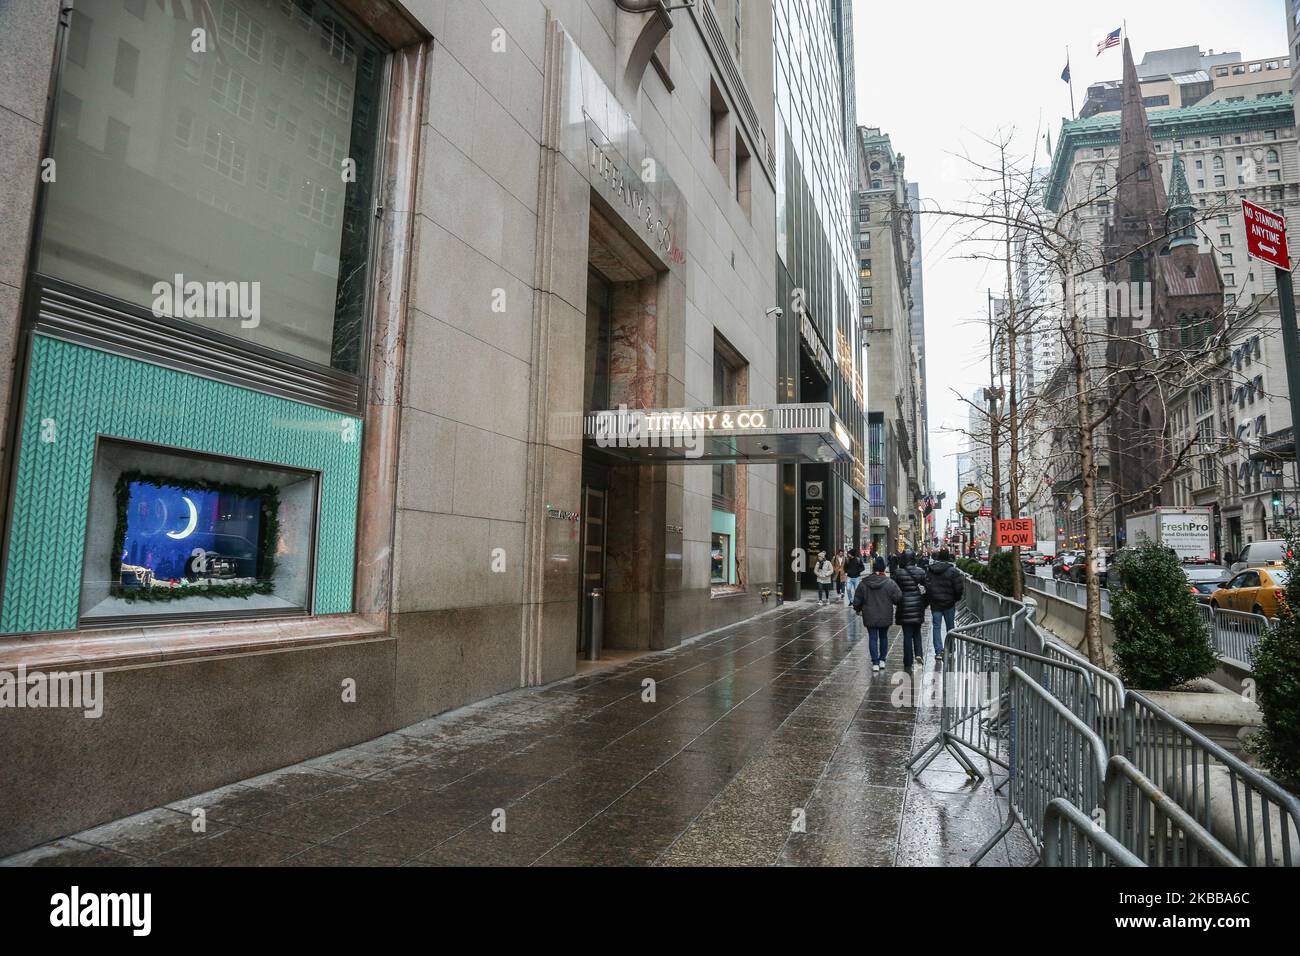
point(776, 310)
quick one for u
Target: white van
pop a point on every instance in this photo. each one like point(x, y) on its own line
point(1259, 554)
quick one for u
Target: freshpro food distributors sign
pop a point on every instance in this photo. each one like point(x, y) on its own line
point(1190, 536)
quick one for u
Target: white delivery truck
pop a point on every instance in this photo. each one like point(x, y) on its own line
point(1189, 532)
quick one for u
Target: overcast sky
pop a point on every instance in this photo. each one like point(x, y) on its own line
point(937, 75)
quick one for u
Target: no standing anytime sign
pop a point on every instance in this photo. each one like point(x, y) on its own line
point(1265, 235)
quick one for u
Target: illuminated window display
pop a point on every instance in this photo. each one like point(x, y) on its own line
point(179, 537)
point(174, 533)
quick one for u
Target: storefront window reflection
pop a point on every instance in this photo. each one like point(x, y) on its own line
point(214, 162)
point(720, 559)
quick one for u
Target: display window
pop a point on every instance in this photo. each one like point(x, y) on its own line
point(177, 533)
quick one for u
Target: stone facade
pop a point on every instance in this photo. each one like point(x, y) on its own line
point(546, 138)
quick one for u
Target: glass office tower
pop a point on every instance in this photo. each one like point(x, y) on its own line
point(819, 346)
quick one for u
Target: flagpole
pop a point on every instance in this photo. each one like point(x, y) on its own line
point(1070, 73)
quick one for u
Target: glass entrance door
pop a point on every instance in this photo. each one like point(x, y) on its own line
point(592, 571)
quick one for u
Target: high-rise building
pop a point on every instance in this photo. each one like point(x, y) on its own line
point(1232, 146)
point(1292, 8)
point(1186, 76)
point(842, 24)
point(819, 348)
point(918, 344)
point(886, 251)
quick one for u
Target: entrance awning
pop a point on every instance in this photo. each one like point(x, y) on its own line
point(808, 432)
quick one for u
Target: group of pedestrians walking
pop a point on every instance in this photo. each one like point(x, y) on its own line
point(843, 571)
point(900, 596)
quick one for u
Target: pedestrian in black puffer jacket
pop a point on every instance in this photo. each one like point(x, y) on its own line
point(944, 586)
point(875, 599)
point(911, 610)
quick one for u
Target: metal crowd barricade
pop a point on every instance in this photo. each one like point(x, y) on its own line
point(1215, 789)
point(1237, 632)
point(1071, 591)
point(976, 698)
point(1054, 753)
point(993, 605)
point(1072, 838)
point(971, 606)
point(1028, 636)
point(1110, 694)
point(1152, 826)
point(1265, 819)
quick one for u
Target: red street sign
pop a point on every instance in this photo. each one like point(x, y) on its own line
point(1015, 532)
point(986, 512)
point(1265, 235)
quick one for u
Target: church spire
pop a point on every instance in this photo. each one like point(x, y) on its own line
point(1182, 208)
point(1139, 194)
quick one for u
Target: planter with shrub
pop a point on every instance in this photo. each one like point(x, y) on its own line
point(1164, 649)
point(1161, 640)
point(972, 567)
point(1001, 573)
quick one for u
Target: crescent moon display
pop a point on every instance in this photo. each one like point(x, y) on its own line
point(194, 521)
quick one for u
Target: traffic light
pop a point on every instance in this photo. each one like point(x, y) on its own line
point(1277, 500)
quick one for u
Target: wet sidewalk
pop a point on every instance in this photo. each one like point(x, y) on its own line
point(768, 743)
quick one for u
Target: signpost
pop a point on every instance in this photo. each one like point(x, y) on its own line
point(1015, 532)
point(1266, 235)
point(1266, 241)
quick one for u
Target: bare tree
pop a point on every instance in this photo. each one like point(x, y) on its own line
point(1107, 365)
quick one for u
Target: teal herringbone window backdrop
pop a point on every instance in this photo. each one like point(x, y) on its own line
point(76, 393)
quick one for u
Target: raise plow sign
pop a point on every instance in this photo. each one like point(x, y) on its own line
point(1015, 532)
point(1265, 235)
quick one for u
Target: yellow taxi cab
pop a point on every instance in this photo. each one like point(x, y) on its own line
point(1257, 590)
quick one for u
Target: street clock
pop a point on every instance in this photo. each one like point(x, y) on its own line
point(970, 501)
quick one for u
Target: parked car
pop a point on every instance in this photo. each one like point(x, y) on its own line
point(1104, 559)
point(1064, 564)
point(1114, 579)
point(1073, 566)
point(1259, 554)
point(1204, 579)
point(1257, 590)
point(1031, 561)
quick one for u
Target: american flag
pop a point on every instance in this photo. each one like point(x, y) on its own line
point(1112, 39)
